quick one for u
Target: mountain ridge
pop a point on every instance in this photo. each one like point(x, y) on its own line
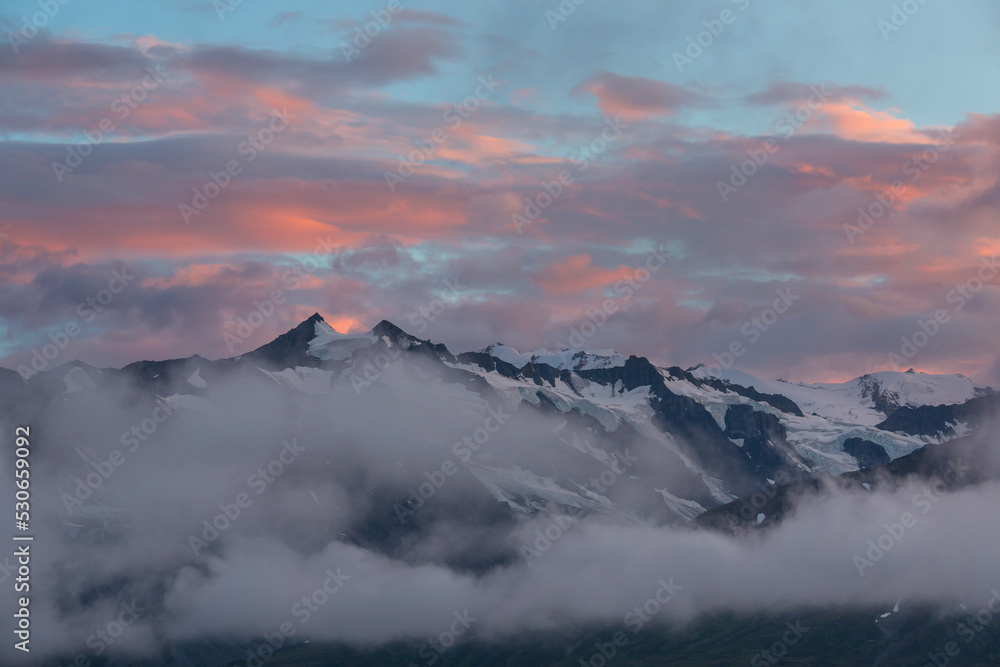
point(728, 431)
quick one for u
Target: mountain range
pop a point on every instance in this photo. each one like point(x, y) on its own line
point(448, 459)
point(720, 433)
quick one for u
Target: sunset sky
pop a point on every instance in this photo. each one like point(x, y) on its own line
point(376, 176)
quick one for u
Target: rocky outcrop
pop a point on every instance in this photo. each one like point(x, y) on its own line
point(936, 420)
point(763, 438)
point(290, 349)
point(867, 453)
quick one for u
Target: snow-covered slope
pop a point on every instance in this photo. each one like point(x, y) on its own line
point(576, 360)
point(866, 400)
point(329, 344)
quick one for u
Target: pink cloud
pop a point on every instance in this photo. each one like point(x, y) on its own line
point(636, 97)
point(577, 274)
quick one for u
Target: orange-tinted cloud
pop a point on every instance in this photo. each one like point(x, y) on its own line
point(856, 122)
point(577, 274)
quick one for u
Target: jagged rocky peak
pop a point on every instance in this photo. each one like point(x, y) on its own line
point(291, 348)
point(387, 328)
point(314, 340)
point(327, 344)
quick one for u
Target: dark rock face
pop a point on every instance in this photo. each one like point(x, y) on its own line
point(159, 375)
point(885, 401)
point(778, 401)
point(290, 349)
point(489, 363)
point(637, 372)
point(763, 437)
point(387, 328)
point(950, 463)
point(866, 452)
point(934, 419)
point(540, 374)
point(742, 421)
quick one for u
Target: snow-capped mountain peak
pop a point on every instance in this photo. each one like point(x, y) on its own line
point(866, 399)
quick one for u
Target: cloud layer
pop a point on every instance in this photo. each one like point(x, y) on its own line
point(406, 170)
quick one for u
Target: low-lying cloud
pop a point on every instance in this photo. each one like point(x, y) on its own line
point(250, 508)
